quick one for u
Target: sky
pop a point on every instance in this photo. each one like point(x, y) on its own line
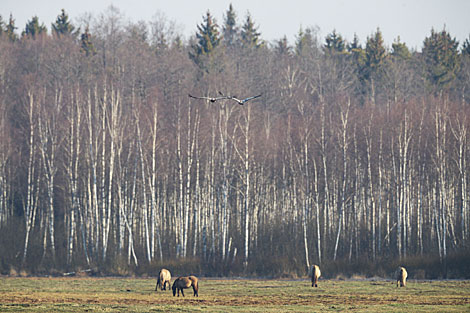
point(411, 20)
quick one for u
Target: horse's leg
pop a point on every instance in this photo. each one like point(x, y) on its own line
point(182, 292)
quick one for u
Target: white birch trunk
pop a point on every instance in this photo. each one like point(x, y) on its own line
point(93, 179)
point(460, 132)
point(317, 210)
point(187, 197)
point(306, 206)
point(155, 229)
point(180, 205)
point(113, 126)
point(72, 174)
point(368, 136)
point(145, 211)
point(48, 138)
point(344, 143)
point(30, 205)
point(197, 196)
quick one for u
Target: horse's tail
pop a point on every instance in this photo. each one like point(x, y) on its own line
point(158, 283)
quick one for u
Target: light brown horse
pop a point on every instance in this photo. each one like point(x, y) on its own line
point(164, 277)
point(185, 282)
point(315, 275)
point(402, 274)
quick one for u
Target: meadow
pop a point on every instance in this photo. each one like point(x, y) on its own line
point(85, 294)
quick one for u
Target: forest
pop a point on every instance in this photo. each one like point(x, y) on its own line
point(356, 153)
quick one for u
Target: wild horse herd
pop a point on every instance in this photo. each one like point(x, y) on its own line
point(184, 282)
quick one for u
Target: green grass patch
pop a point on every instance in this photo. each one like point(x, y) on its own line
point(231, 295)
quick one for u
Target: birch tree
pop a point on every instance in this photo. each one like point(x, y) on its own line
point(6, 168)
point(223, 128)
point(49, 140)
point(442, 198)
point(344, 143)
point(244, 155)
point(369, 148)
point(30, 205)
point(459, 128)
point(73, 149)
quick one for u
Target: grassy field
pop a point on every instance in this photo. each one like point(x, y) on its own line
point(225, 295)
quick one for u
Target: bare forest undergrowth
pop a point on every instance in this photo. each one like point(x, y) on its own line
point(82, 294)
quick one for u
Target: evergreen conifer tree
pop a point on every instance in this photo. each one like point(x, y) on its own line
point(305, 42)
point(357, 55)
point(230, 29)
point(208, 37)
point(335, 44)
point(33, 28)
point(62, 25)
point(86, 45)
point(282, 47)
point(441, 58)
point(250, 35)
point(375, 55)
point(466, 47)
point(357, 52)
point(375, 63)
point(399, 49)
point(10, 29)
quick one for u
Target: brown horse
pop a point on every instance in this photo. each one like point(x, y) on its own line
point(164, 277)
point(401, 276)
point(185, 282)
point(315, 275)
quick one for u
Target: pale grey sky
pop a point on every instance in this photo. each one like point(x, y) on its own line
point(411, 20)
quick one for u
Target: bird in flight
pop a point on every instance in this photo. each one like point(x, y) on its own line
point(240, 101)
point(211, 99)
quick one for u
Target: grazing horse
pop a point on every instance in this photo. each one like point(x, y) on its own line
point(401, 276)
point(185, 282)
point(164, 277)
point(315, 275)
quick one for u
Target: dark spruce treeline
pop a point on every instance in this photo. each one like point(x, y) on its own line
point(357, 152)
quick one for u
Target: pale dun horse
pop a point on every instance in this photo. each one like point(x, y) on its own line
point(401, 276)
point(185, 282)
point(316, 273)
point(164, 277)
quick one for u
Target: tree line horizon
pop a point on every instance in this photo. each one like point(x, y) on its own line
point(34, 26)
point(352, 153)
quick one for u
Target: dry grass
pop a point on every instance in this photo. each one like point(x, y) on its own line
point(218, 295)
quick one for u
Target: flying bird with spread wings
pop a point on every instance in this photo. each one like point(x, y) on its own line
point(211, 99)
point(240, 101)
